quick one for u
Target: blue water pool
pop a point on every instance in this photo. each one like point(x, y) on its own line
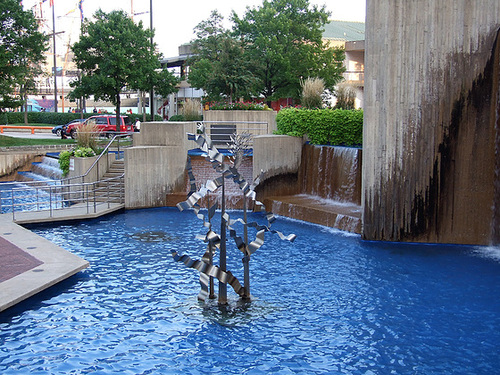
point(328, 303)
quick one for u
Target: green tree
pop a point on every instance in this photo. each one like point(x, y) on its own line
point(113, 53)
point(22, 49)
point(283, 39)
point(219, 65)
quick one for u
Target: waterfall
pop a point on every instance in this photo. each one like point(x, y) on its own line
point(329, 189)
point(45, 170)
point(331, 173)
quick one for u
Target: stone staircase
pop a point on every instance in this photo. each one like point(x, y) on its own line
point(114, 189)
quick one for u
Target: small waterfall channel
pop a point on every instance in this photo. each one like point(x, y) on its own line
point(46, 171)
point(329, 189)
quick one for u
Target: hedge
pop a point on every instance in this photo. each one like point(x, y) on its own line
point(323, 126)
point(58, 118)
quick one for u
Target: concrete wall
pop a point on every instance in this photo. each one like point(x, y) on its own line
point(155, 166)
point(11, 162)
point(251, 116)
point(276, 155)
point(431, 94)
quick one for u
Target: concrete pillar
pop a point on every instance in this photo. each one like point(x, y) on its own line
point(155, 166)
point(431, 109)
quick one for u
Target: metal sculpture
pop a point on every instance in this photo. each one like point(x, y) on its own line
point(209, 271)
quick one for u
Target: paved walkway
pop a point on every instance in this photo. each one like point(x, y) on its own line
point(76, 212)
point(30, 263)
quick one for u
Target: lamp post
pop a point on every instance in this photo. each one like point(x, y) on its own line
point(152, 93)
point(55, 60)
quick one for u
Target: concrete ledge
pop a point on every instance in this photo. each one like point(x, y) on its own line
point(56, 265)
point(343, 216)
point(76, 212)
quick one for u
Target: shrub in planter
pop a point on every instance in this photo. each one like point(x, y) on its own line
point(65, 156)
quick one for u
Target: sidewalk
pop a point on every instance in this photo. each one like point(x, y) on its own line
point(30, 263)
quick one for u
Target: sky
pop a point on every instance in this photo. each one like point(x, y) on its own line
point(173, 21)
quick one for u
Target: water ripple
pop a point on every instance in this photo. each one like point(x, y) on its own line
point(328, 303)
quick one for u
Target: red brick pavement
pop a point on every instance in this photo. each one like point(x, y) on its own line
point(14, 261)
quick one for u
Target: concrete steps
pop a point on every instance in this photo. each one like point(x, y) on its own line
point(112, 190)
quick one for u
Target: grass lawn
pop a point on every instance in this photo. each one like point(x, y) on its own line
point(11, 141)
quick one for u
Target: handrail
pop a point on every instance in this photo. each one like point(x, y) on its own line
point(62, 197)
point(119, 135)
point(57, 186)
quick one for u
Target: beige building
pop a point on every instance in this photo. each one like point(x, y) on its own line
point(350, 35)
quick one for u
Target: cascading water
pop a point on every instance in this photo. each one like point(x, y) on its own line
point(31, 187)
point(329, 189)
point(331, 173)
point(327, 192)
point(45, 170)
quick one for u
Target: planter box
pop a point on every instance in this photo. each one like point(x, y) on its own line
point(80, 166)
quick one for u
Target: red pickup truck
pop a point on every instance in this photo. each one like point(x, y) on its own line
point(105, 124)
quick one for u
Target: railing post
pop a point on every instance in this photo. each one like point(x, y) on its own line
point(107, 192)
point(94, 188)
point(12, 197)
point(86, 188)
point(50, 200)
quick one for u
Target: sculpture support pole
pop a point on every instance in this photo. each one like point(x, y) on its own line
point(246, 258)
point(211, 291)
point(222, 263)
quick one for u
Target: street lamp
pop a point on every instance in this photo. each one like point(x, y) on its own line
point(152, 93)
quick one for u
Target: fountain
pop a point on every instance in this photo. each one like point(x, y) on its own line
point(326, 190)
point(209, 271)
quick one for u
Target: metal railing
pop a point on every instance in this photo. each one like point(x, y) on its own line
point(117, 138)
point(220, 131)
point(52, 197)
point(66, 193)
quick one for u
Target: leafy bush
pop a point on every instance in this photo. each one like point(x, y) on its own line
point(239, 106)
point(64, 161)
point(176, 118)
point(83, 152)
point(323, 126)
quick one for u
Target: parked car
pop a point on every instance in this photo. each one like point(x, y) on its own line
point(59, 128)
point(105, 124)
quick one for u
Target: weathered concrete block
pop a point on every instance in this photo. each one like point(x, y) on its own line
point(430, 129)
point(276, 154)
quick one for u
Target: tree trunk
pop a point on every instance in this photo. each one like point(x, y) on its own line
point(25, 107)
point(118, 119)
